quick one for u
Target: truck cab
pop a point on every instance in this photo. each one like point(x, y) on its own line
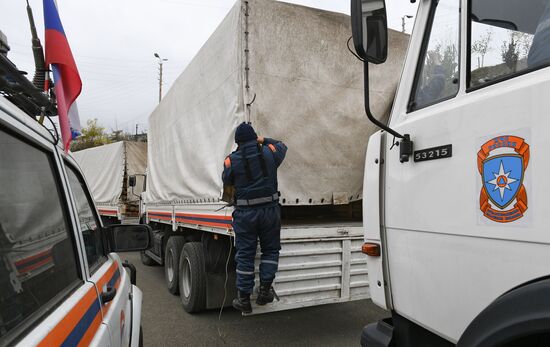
point(455, 221)
point(60, 281)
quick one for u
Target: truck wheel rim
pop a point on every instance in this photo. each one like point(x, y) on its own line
point(170, 266)
point(186, 280)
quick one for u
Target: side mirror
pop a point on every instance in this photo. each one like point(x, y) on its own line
point(132, 181)
point(370, 37)
point(128, 237)
point(370, 29)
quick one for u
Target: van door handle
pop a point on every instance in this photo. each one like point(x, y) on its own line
point(109, 295)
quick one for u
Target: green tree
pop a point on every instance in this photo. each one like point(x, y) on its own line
point(510, 52)
point(449, 61)
point(93, 135)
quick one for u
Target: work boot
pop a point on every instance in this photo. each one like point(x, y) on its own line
point(266, 294)
point(242, 302)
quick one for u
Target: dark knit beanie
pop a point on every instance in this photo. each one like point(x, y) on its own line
point(244, 133)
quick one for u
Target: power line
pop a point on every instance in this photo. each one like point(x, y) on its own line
point(137, 117)
point(106, 94)
point(128, 92)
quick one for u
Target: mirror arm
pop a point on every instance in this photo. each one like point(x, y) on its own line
point(367, 105)
point(406, 145)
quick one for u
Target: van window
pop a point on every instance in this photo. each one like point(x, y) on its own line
point(89, 224)
point(507, 38)
point(438, 75)
point(38, 257)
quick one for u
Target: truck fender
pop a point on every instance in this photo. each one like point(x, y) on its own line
point(521, 312)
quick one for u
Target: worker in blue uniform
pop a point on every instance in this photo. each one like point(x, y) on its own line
point(252, 171)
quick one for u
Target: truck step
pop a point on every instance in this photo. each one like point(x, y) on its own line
point(154, 256)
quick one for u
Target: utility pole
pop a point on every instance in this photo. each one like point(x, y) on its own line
point(403, 22)
point(160, 80)
point(161, 61)
point(136, 133)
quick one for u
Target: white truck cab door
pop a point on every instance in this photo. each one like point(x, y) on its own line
point(105, 270)
point(378, 285)
point(466, 213)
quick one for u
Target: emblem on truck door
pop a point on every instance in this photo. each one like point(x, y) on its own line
point(502, 162)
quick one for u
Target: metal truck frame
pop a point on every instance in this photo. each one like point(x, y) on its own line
point(319, 263)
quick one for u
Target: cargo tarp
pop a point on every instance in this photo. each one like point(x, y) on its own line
point(285, 68)
point(103, 168)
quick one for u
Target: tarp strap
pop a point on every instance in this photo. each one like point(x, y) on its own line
point(247, 163)
point(246, 166)
point(258, 201)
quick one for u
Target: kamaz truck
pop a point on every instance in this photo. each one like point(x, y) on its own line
point(456, 226)
point(116, 175)
point(262, 66)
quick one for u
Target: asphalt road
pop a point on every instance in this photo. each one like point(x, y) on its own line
point(165, 323)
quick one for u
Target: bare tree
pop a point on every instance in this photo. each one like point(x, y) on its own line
point(482, 46)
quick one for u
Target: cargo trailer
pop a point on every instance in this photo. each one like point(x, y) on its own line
point(116, 176)
point(286, 69)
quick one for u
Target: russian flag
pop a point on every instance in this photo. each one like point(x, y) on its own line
point(68, 84)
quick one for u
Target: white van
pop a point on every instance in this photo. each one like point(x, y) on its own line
point(60, 283)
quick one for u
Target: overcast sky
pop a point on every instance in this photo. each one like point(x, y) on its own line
point(113, 42)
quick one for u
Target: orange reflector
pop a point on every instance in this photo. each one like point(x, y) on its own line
point(371, 249)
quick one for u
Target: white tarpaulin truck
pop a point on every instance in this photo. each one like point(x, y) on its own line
point(116, 175)
point(286, 69)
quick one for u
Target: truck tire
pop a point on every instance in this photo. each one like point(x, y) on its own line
point(192, 278)
point(171, 262)
point(147, 260)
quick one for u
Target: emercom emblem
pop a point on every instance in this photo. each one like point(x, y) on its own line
point(502, 162)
